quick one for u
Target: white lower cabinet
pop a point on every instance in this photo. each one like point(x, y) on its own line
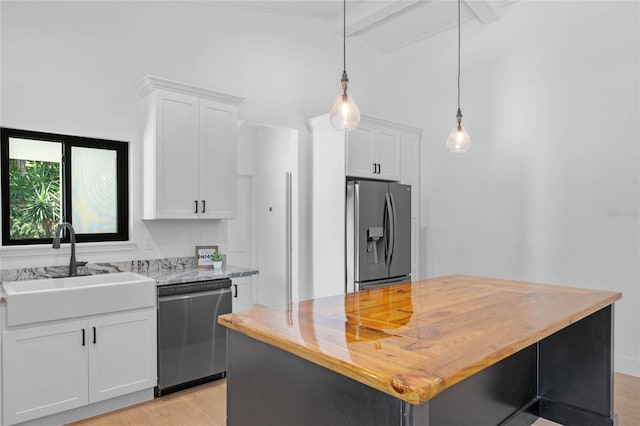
point(45, 371)
point(53, 368)
point(120, 357)
point(242, 294)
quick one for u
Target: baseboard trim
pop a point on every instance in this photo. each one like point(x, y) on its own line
point(92, 409)
point(627, 365)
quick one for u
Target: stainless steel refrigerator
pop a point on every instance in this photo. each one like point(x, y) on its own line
point(378, 234)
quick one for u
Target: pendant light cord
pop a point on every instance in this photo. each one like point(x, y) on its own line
point(458, 54)
point(344, 36)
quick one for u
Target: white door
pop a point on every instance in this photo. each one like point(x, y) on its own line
point(44, 370)
point(122, 355)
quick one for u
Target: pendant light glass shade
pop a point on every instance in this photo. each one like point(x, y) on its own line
point(344, 114)
point(459, 140)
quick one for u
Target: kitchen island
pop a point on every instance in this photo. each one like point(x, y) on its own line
point(455, 350)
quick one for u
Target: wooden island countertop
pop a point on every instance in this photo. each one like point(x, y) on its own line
point(414, 340)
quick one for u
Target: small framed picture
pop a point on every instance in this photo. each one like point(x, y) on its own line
point(203, 256)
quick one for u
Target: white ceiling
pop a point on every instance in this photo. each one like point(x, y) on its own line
point(325, 9)
point(385, 25)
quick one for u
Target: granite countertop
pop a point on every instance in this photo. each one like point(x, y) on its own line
point(173, 276)
point(414, 340)
point(165, 271)
point(193, 275)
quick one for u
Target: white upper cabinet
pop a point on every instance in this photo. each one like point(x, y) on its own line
point(189, 151)
point(374, 150)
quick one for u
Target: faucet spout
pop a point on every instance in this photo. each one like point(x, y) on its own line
point(73, 264)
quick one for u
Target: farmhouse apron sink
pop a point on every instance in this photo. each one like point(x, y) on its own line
point(32, 301)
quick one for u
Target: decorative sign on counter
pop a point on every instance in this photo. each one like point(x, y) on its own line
point(203, 256)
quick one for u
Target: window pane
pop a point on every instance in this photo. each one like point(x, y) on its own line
point(94, 190)
point(35, 180)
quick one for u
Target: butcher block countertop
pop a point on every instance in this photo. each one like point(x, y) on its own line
point(414, 340)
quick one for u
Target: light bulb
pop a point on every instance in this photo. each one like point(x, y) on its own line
point(345, 114)
point(459, 140)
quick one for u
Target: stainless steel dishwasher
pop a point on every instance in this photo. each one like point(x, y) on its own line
point(192, 346)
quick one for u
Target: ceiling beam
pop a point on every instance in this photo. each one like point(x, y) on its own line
point(483, 11)
point(370, 13)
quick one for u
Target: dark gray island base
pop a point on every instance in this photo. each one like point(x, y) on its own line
point(566, 377)
point(268, 386)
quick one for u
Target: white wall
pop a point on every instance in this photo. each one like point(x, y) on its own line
point(549, 190)
point(72, 67)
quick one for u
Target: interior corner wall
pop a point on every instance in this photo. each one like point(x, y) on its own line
point(549, 189)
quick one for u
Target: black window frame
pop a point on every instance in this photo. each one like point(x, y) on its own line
point(68, 141)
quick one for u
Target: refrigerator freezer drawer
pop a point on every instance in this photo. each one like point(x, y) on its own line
point(383, 283)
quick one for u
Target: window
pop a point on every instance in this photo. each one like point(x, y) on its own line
point(48, 178)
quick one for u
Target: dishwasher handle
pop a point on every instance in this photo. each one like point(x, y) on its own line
point(193, 287)
point(180, 296)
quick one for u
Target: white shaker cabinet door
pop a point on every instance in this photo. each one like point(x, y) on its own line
point(218, 161)
point(122, 354)
point(360, 160)
point(386, 146)
point(373, 152)
point(242, 289)
point(44, 370)
point(177, 150)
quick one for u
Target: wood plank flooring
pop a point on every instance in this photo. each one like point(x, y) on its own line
point(206, 406)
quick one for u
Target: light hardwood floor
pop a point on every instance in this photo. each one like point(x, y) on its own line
point(206, 406)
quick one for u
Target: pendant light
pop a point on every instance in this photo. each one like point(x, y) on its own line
point(344, 114)
point(459, 140)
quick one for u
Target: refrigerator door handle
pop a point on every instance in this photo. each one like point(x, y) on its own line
point(393, 227)
point(388, 229)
